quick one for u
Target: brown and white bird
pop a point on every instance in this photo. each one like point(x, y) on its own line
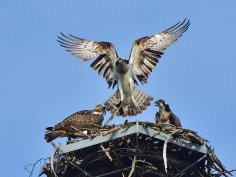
point(145, 54)
point(165, 115)
point(78, 121)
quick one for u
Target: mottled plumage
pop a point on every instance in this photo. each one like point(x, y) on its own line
point(143, 58)
point(78, 121)
point(165, 115)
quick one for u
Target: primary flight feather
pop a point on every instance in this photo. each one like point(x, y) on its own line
point(145, 54)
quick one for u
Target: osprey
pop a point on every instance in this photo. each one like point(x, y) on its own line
point(145, 54)
point(78, 121)
point(165, 115)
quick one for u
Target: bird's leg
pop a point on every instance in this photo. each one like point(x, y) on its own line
point(133, 91)
point(135, 105)
point(121, 92)
point(113, 115)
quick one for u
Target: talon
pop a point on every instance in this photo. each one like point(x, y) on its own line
point(118, 104)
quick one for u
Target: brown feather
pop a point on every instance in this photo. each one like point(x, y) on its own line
point(79, 120)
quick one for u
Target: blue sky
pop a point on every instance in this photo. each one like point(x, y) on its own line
point(41, 84)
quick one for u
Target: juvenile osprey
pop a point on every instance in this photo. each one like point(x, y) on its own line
point(77, 121)
point(165, 115)
point(144, 56)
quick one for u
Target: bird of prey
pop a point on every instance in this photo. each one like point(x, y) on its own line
point(78, 121)
point(165, 115)
point(145, 54)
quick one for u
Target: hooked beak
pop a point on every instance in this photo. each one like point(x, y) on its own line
point(118, 62)
point(156, 103)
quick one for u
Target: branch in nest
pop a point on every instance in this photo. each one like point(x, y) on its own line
point(217, 162)
point(165, 147)
point(106, 151)
point(32, 170)
point(133, 166)
point(79, 133)
point(95, 125)
point(111, 130)
point(56, 148)
point(145, 162)
point(194, 138)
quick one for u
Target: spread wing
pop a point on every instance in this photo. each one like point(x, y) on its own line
point(146, 51)
point(104, 52)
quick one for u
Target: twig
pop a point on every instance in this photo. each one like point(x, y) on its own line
point(95, 125)
point(133, 166)
point(106, 152)
point(220, 166)
point(165, 148)
point(190, 166)
point(79, 133)
point(112, 130)
point(71, 163)
point(143, 161)
point(52, 158)
point(31, 171)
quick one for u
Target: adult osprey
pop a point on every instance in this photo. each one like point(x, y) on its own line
point(144, 56)
point(165, 115)
point(78, 121)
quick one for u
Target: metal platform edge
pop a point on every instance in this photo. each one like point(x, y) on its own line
point(134, 129)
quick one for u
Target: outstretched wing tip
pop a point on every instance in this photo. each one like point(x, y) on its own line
point(62, 34)
point(147, 51)
point(104, 52)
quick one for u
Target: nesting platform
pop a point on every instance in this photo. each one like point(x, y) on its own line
point(139, 149)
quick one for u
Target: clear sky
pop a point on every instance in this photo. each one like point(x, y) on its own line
point(41, 84)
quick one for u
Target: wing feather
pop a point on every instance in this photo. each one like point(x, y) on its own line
point(147, 51)
point(104, 52)
point(174, 120)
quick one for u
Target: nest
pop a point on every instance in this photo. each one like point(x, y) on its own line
point(181, 152)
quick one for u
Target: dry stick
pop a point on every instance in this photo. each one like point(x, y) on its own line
point(106, 152)
point(95, 125)
point(133, 167)
point(31, 171)
point(79, 132)
point(111, 130)
point(190, 166)
point(142, 161)
point(165, 147)
point(73, 164)
point(220, 166)
point(52, 159)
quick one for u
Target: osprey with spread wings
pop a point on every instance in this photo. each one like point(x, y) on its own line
point(145, 54)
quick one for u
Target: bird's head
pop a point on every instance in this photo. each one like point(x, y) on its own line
point(101, 108)
point(162, 104)
point(122, 65)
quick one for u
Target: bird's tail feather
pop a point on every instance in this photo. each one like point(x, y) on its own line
point(139, 102)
